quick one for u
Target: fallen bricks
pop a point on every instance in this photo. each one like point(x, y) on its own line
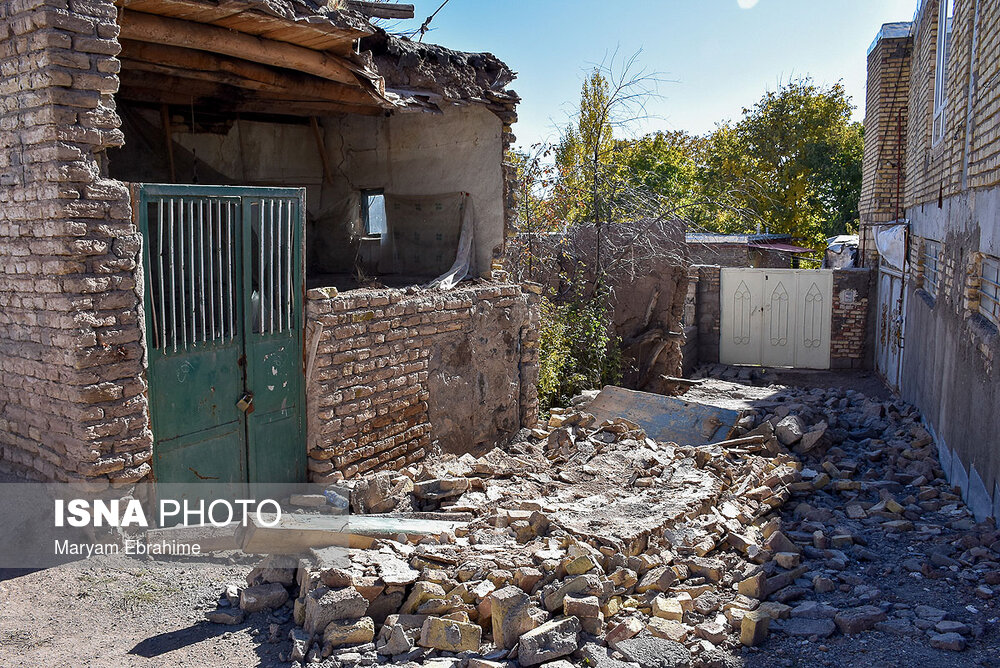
point(589, 540)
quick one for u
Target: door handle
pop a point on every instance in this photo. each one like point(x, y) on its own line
point(245, 403)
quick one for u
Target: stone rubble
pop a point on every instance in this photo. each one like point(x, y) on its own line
point(590, 541)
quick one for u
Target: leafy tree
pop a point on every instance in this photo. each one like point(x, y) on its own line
point(791, 164)
point(583, 155)
point(533, 176)
point(664, 164)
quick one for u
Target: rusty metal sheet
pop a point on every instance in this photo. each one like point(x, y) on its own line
point(669, 419)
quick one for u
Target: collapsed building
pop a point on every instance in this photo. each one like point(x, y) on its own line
point(642, 264)
point(217, 229)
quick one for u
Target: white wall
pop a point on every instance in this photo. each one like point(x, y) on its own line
point(460, 150)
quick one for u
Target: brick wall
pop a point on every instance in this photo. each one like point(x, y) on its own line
point(709, 311)
point(72, 403)
point(737, 255)
point(886, 115)
point(395, 372)
point(951, 197)
point(724, 255)
point(969, 153)
point(851, 325)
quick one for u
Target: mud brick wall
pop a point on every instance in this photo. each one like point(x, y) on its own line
point(851, 326)
point(396, 373)
point(72, 403)
point(737, 255)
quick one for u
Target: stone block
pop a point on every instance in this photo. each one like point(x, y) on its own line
point(552, 640)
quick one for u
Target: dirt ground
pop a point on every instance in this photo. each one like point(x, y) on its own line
point(111, 612)
point(125, 612)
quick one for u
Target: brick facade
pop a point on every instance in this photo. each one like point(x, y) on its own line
point(375, 382)
point(851, 327)
point(883, 179)
point(72, 402)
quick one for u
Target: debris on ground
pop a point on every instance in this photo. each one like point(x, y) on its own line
point(586, 540)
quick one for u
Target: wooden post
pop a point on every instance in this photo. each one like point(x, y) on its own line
point(327, 173)
point(168, 139)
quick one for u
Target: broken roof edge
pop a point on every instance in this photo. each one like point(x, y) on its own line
point(442, 74)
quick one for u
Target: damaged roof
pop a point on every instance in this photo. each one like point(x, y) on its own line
point(417, 75)
point(410, 66)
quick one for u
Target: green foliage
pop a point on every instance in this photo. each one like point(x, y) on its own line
point(664, 164)
point(791, 164)
point(578, 349)
point(585, 156)
point(533, 178)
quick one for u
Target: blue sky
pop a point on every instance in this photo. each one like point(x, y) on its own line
point(717, 56)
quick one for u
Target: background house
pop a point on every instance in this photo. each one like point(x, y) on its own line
point(772, 251)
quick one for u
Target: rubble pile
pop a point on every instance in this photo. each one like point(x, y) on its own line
point(584, 539)
point(873, 502)
point(590, 542)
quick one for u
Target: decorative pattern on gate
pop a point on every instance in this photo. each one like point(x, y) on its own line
point(779, 315)
point(812, 313)
point(742, 312)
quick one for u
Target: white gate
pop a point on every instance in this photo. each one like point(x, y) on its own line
point(889, 327)
point(776, 317)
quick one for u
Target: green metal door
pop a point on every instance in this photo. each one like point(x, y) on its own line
point(223, 305)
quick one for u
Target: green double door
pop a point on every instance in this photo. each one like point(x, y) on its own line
point(223, 316)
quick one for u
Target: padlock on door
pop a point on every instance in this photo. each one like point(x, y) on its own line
point(245, 403)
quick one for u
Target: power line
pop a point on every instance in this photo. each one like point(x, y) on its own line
point(425, 24)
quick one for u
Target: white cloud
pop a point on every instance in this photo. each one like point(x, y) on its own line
point(747, 4)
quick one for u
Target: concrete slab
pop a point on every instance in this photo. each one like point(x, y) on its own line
point(959, 476)
point(666, 419)
point(978, 499)
point(207, 537)
point(294, 534)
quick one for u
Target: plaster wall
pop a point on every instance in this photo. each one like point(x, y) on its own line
point(948, 361)
point(459, 150)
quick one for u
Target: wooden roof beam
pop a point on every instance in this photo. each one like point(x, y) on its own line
point(201, 64)
point(159, 88)
point(382, 10)
point(173, 32)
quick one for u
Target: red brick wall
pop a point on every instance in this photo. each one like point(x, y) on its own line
point(849, 336)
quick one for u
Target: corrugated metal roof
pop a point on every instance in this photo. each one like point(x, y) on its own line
point(784, 248)
point(712, 238)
